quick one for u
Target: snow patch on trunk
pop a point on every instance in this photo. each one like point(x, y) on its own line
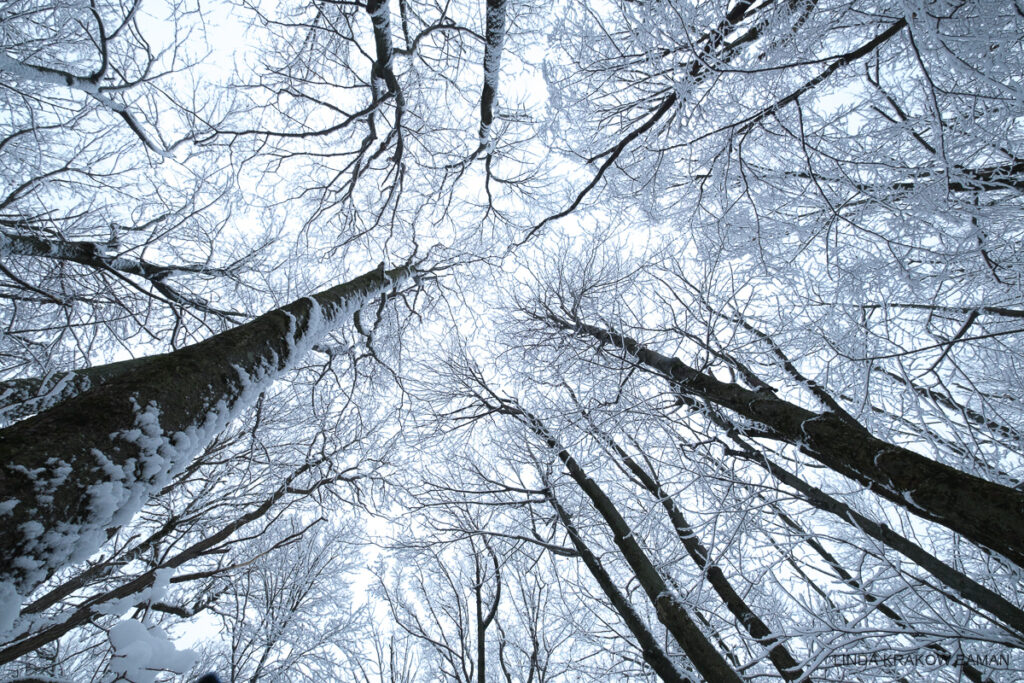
point(161, 455)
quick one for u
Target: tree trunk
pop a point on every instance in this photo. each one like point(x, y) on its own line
point(708, 661)
point(652, 652)
point(964, 586)
point(495, 41)
point(784, 662)
point(986, 513)
point(483, 621)
point(85, 466)
point(25, 396)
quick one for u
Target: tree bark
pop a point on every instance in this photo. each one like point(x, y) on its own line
point(964, 586)
point(22, 397)
point(495, 41)
point(484, 621)
point(651, 651)
point(708, 661)
point(85, 466)
point(784, 662)
point(984, 512)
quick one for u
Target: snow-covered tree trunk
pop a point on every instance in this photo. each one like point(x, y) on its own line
point(82, 468)
point(496, 31)
point(772, 641)
point(982, 511)
point(95, 255)
point(25, 396)
point(651, 650)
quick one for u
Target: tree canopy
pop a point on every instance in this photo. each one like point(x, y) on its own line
point(497, 341)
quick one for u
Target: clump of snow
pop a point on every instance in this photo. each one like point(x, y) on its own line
point(141, 653)
point(160, 584)
point(32, 529)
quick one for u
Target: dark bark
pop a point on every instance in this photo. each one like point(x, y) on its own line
point(94, 256)
point(383, 65)
point(708, 661)
point(492, 64)
point(85, 466)
point(964, 586)
point(984, 512)
point(483, 621)
point(651, 651)
point(1000, 177)
point(784, 662)
point(90, 608)
point(26, 396)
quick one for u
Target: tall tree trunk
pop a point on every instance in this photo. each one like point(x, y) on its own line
point(986, 513)
point(85, 466)
point(708, 661)
point(961, 584)
point(972, 674)
point(651, 651)
point(481, 630)
point(25, 396)
point(784, 662)
point(495, 42)
point(483, 621)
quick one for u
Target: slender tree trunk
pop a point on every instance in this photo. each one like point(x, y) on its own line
point(986, 513)
point(846, 577)
point(483, 621)
point(495, 38)
point(481, 631)
point(964, 586)
point(82, 468)
point(784, 662)
point(708, 661)
point(651, 651)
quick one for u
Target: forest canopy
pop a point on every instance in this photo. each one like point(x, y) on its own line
point(499, 341)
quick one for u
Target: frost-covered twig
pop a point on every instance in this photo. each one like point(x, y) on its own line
point(89, 85)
